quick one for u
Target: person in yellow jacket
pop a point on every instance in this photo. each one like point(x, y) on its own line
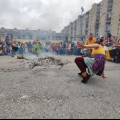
point(89, 41)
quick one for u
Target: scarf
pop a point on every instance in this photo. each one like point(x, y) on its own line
point(90, 39)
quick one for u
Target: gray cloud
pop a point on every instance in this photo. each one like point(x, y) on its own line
point(41, 14)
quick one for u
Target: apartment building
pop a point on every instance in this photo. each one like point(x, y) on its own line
point(102, 18)
point(27, 34)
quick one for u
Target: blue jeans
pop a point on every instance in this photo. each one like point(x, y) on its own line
point(73, 51)
point(13, 53)
point(78, 51)
point(57, 51)
point(20, 51)
point(64, 50)
point(60, 51)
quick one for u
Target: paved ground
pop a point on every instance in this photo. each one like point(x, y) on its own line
point(50, 93)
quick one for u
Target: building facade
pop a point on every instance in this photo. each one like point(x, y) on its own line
point(102, 18)
point(27, 34)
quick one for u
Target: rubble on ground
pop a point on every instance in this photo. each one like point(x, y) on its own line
point(20, 56)
point(45, 62)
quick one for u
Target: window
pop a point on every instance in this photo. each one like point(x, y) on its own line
point(119, 24)
point(109, 14)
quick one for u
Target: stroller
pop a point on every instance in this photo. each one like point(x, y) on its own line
point(115, 54)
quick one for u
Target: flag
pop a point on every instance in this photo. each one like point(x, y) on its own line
point(82, 9)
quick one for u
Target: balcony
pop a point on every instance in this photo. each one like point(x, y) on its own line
point(110, 5)
point(96, 33)
point(110, 1)
point(97, 24)
point(107, 30)
point(86, 33)
point(98, 5)
point(87, 18)
point(87, 22)
point(108, 18)
point(98, 12)
point(96, 27)
point(81, 26)
point(97, 21)
point(108, 21)
point(109, 10)
point(98, 17)
point(108, 25)
point(81, 23)
point(96, 30)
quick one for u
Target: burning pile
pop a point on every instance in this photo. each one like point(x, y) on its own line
point(46, 62)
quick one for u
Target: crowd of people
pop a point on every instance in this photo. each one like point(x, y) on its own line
point(16, 47)
point(60, 48)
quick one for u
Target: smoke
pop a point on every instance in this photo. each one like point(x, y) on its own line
point(46, 51)
point(29, 56)
point(42, 54)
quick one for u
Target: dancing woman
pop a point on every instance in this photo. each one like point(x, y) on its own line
point(95, 64)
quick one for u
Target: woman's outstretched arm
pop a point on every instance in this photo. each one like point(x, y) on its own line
point(81, 45)
point(92, 46)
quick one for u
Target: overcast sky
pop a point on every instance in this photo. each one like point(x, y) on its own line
point(41, 14)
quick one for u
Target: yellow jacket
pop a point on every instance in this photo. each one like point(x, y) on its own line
point(90, 41)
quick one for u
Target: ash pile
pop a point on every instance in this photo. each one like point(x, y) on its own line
point(45, 62)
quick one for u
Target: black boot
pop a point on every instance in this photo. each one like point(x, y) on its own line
point(85, 79)
point(80, 74)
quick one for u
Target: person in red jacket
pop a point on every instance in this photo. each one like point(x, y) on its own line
point(57, 47)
